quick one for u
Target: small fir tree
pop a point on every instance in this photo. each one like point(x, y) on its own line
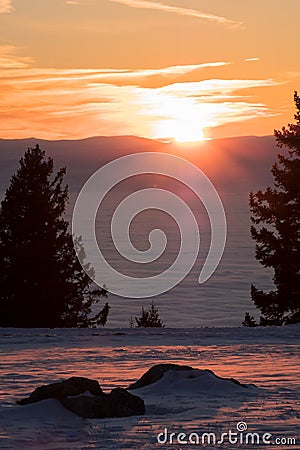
point(149, 318)
point(249, 321)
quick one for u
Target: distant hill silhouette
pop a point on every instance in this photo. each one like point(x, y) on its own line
point(239, 163)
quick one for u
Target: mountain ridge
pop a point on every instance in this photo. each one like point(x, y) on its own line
point(242, 162)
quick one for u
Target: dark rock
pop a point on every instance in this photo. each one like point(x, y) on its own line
point(96, 407)
point(118, 403)
point(156, 373)
point(126, 404)
point(71, 387)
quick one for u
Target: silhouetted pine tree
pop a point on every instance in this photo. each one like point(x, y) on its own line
point(149, 318)
point(42, 283)
point(249, 321)
point(277, 212)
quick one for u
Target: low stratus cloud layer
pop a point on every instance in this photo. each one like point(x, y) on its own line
point(73, 103)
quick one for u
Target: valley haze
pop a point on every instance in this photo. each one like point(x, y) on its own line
point(235, 165)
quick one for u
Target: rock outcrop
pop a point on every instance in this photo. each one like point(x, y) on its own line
point(156, 373)
point(66, 388)
point(118, 403)
point(85, 398)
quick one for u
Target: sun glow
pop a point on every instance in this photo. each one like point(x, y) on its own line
point(181, 131)
point(188, 132)
point(179, 117)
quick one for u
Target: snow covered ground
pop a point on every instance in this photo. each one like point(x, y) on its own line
point(178, 403)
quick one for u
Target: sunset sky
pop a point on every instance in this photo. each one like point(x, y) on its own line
point(181, 69)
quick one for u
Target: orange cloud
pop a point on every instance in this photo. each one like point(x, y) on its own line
point(145, 4)
point(76, 103)
point(9, 60)
point(6, 6)
point(51, 75)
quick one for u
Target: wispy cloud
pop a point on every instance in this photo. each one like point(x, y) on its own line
point(6, 6)
point(292, 74)
point(251, 59)
point(214, 86)
point(76, 103)
point(124, 75)
point(146, 4)
point(168, 71)
point(9, 59)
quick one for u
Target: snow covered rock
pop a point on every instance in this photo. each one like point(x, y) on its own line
point(156, 373)
point(173, 378)
point(70, 387)
point(118, 403)
point(85, 398)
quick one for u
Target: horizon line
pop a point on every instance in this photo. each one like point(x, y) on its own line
point(163, 140)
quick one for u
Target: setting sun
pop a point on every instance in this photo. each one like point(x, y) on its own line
point(181, 131)
point(188, 132)
point(179, 118)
